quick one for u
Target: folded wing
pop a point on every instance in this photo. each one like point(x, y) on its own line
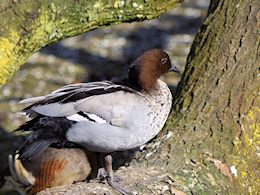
point(93, 98)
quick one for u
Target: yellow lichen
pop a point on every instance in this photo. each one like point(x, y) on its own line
point(7, 47)
point(246, 158)
point(44, 29)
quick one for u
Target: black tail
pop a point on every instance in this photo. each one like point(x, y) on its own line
point(35, 148)
point(46, 131)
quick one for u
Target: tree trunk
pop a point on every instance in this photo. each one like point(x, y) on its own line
point(26, 26)
point(218, 103)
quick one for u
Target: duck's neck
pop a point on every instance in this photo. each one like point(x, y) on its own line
point(142, 81)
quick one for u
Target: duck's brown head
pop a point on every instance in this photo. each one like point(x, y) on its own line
point(146, 69)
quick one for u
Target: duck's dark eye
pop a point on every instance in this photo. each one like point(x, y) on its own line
point(164, 60)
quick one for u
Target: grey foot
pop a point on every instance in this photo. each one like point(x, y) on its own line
point(117, 186)
point(106, 174)
point(113, 181)
point(102, 174)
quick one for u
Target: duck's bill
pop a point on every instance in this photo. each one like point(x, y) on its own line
point(174, 69)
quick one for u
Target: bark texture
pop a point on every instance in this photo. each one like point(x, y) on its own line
point(214, 127)
point(26, 26)
point(218, 103)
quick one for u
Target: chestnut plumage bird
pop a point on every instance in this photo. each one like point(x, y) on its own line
point(53, 167)
point(103, 116)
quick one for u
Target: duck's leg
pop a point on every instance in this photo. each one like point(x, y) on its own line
point(108, 166)
point(114, 183)
point(101, 174)
point(107, 174)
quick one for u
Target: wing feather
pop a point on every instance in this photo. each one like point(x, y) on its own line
point(62, 101)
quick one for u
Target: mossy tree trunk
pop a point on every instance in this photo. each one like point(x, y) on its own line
point(26, 26)
point(215, 123)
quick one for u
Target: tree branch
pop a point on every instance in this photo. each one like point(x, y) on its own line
point(26, 26)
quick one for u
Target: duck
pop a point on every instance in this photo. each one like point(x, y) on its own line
point(53, 167)
point(102, 116)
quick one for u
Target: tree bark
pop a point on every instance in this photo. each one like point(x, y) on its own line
point(26, 26)
point(218, 102)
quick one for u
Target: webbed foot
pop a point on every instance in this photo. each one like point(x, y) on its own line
point(106, 174)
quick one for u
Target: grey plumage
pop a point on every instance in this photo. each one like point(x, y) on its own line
point(124, 116)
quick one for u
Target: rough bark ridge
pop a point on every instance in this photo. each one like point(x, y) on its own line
point(26, 26)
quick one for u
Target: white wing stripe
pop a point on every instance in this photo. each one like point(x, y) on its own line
point(79, 118)
point(96, 118)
